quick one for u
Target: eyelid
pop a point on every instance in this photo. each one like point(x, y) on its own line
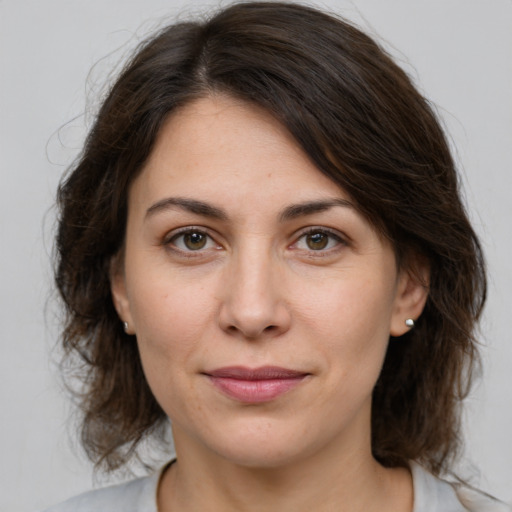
point(167, 240)
point(341, 238)
point(183, 230)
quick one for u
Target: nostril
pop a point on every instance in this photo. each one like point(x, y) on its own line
point(254, 333)
point(251, 320)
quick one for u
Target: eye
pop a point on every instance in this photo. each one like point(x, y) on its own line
point(318, 240)
point(192, 240)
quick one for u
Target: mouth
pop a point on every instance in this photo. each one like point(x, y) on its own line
point(256, 385)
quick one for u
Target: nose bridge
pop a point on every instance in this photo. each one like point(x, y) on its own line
point(253, 300)
point(252, 268)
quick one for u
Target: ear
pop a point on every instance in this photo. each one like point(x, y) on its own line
point(119, 293)
point(411, 296)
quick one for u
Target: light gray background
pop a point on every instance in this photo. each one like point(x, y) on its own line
point(458, 51)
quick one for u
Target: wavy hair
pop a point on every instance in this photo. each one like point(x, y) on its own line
point(363, 123)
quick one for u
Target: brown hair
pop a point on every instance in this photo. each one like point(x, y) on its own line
point(360, 119)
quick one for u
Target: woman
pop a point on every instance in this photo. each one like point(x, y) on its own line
point(264, 242)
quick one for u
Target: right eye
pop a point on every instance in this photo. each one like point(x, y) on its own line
point(192, 240)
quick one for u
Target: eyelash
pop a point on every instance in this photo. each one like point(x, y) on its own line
point(170, 241)
point(332, 235)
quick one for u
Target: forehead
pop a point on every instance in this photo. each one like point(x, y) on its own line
point(238, 161)
point(218, 146)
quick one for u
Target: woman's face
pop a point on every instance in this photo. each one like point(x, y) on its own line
point(261, 299)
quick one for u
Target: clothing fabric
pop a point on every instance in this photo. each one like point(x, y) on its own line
point(431, 494)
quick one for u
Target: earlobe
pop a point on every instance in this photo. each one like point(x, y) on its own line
point(119, 293)
point(412, 294)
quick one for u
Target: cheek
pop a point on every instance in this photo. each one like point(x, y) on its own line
point(351, 321)
point(170, 314)
point(351, 306)
point(171, 320)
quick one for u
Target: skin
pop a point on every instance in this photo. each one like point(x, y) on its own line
point(253, 288)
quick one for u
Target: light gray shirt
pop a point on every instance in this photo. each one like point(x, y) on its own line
point(431, 494)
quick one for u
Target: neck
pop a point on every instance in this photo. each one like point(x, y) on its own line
point(332, 479)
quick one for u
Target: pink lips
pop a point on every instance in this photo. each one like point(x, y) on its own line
point(255, 385)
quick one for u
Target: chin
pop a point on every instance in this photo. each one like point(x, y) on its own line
point(264, 448)
point(252, 458)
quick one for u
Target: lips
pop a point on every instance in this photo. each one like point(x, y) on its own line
point(256, 385)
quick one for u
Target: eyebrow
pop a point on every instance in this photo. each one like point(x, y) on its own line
point(207, 210)
point(191, 205)
point(310, 207)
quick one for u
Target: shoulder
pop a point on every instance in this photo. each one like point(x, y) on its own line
point(137, 495)
point(432, 494)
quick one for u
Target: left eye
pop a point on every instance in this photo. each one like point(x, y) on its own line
point(192, 241)
point(318, 240)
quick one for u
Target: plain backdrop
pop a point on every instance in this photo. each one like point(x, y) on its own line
point(459, 53)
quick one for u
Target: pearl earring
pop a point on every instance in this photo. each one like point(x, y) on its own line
point(125, 326)
point(410, 323)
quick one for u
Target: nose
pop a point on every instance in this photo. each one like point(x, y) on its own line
point(253, 294)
